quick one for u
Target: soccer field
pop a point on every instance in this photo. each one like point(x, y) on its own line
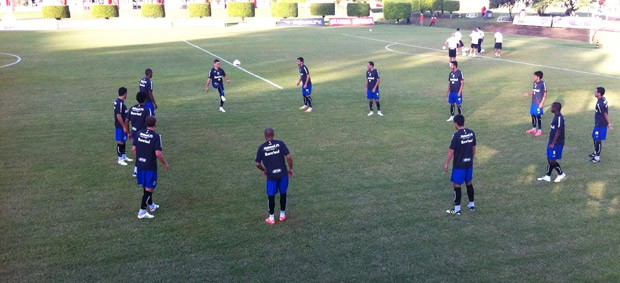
point(368, 201)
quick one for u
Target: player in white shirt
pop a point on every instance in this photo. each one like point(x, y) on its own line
point(459, 37)
point(475, 36)
point(451, 43)
point(499, 39)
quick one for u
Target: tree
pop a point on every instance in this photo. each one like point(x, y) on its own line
point(494, 4)
point(573, 5)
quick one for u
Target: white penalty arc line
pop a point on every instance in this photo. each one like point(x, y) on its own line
point(229, 63)
point(19, 59)
point(493, 59)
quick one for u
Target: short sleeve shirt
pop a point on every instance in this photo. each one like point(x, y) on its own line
point(272, 154)
point(456, 79)
point(119, 108)
point(217, 75)
point(557, 124)
point(539, 88)
point(304, 73)
point(146, 86)
point(463, 143)
point(147, 142)
point(372, 77)
point(599, 111)
point(137, 116)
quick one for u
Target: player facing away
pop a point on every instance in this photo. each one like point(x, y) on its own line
point(463, 149)
point(270, 159)
point(456, 82)
point(373, 79)
point(499, 40)
point(539, 95)
point(555, 145)
point(601, 122)
point(475, 38)
point(137, 119)
point(459, 36)
point(121, 127)
point(216, 79)
point(147, 146)
point(146, 86)
point(452, 43)
point(306, 87)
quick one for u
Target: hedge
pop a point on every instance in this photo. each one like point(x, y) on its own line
point(241, 9)
point(105, 11)
point(56, 12)
point(153, 11)
point(358, 9)
point(451, 6)
point(422, 5)
point(323, 9)
point(199, 10)
point(284, 10)
point(396, 10)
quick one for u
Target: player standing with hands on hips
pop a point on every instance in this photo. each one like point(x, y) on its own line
point(539, 94)
point(216, 78)
point(555, 145)
point(306, 87)
point(463, 149)
point(373, 79)
point(270, 159)
point(601, 122)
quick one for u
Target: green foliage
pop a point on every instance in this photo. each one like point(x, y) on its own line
point(437, 5)
point(358, 9)
point(199, 10)
point(323, 9)
point(422, 5)
point(451, 6)
point(395, 10)
point(284, 10)
point(241, 9)
point(153, 11)
point(56, 12)
point(105, 11)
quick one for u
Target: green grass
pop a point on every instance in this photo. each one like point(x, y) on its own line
point(369, 198)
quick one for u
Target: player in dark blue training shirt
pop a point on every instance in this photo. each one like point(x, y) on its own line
point(463, 149)
point(137, 118)
point(539, 95)
point(556, 144)
point(120, 125)
point(216, 79)
point(373, 79)
point(147, 147)
point(270, 159)
point(456, 82)
point(146, 86)
point(601, 122)
point(306, 87)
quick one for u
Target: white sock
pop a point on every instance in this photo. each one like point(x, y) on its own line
point(124, 156)
point(271, 217)
point(471, 204)
point(457, 208)
point(135, 170)
point(282, 213)
point(142, 211)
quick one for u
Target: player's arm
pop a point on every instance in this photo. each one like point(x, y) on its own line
point(529, 93)
point(462, 86)
point(289, 160)
point(609, 124)
point(542, 101)
point(366, 87)
point(208, 84)
point(307, 80)
point(377, 84)
point(123, 123)
point(133, 149)
point(261, 168)
point(473, 151)
point(150, 93)
point(226, 76)
point(162, 159)
point(450, 155)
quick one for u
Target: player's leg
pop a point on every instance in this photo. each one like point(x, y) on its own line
point(222, 93)
point(551, 156)
point(283, 189)
point(459, 102)
point(271, 197)
point(147, 193)
point(457, 178)
point(599, 134)
point(308, 93)
point(121, 137)
point(378, 103)
point(469, 177)
point(556, 165)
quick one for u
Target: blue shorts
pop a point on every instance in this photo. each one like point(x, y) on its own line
point(455, 98)
point(121, 136)
point(599, 133)
point(534, 110)
point(150, 105)
point(277, 185)
point(556, 152)
point(460, 176)
point(306, 91)
point(147, 178)
point(372, 94)
point(219, 87)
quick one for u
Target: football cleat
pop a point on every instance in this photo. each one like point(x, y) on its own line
point(153, 207)
point(538, 133)
point(594, 160)
point(452, 211)
point(222, 109)
point(270, 221)
point(544, 178)
point(592, 155)
point(304, 107)
point(223, 98)
point(472, 208)
point(127, 159)
point(379, 113)
point(122, 162)
point(370, 113)
point(450, 119)
point(559, 178)
point(531, 131)
point(282, 217)
point(145, 215)
point(309, 109)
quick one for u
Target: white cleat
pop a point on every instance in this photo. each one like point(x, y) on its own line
point(379, 113)
point(544, 178)
point(145, 215)
point(370, 113)
point(223, 98)
point(127, 159)
point(153, 207)
point(222, 110)
point(304, 107)
point(450, 119)
point(122, 162)
point(560, 177)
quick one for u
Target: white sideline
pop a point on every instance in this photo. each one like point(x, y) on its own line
point(19, 59)
point(229, 63)
point(390, 43)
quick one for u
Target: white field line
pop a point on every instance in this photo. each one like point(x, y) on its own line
point(229, 63)
point(19, 59)
point(391, 43)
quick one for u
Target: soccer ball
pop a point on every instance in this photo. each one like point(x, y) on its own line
point(237, 63)
point(443, 47)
